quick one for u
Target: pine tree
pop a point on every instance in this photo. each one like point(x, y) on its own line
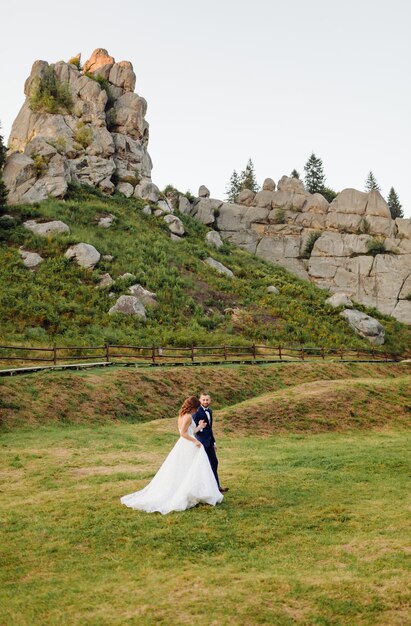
point(3, 190)
point(371, 183)
point(394, 204)
point(233, 188)
point(245, 180)
point(314, 175)
point(295, 174)
point(248, 179)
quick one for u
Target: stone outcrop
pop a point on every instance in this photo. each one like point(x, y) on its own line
point(98, 135)
point(45, 229)
point(213, 238)
point(219, 267)
point(30, 259)
point(339, 299)
point(129, 305)
point(350, 246)
point(100, 138)
point(148, 298)
point(84, 254)
point(107, 221)
point(105, 281)
point(175, 225)
point(365, 326)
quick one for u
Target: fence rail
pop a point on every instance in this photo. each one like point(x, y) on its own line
point(127, 354)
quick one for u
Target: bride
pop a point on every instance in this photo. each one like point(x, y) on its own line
point(185, 478)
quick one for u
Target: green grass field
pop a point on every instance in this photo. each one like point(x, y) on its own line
point(313, 530)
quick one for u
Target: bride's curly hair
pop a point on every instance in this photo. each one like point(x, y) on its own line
point(189, 405)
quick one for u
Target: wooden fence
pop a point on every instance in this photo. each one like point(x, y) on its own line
point(125, 354)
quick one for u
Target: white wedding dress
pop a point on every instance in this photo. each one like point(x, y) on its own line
point(184, 480)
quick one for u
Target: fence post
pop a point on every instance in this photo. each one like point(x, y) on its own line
point(225, 353)
point(254, 351)
point(107, 353)
point(322, 353)
point(54, 354)
point(192, 353)
point(342, 354)
point(280, 353)
point(302, 352)
point(153, 354)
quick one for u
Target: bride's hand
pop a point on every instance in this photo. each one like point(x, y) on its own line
point(198, 444)
point(202, 423)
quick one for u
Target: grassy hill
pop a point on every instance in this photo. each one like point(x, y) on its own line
point(60, 302)
point(305, 396)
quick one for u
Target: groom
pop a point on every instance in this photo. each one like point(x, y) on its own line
point(205, 435)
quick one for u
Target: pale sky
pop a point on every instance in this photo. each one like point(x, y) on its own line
point(227, 80)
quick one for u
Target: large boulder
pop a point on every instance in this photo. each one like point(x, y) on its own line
point(30, 259)
point(129, 305)
point(100, 58)
point(365, 326)
point(230, 217)
point(147, 191)
point(148, 298)
point(204, 210)
point(44, 229)
point(403, 227)
point(106, 221)
point(19, 176)
point(184, 205)
point(264, 198)
point(291, 184)
point(219, 267)
point(268, 185)
point(175, 225)
point(213, 238)
point(355, 211)
point(122, 75)
point(246, 197)
point(84, 254)
point(339, 299)
point(203, 192)
point(105, 281)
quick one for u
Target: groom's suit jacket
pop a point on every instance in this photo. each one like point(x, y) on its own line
point(206, 437)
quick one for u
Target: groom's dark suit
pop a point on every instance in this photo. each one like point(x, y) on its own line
point(206, 437)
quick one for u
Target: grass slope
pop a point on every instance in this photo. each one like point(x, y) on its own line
point(60, 302)
point(313, 531)
point(100, 395)
point(324, 406)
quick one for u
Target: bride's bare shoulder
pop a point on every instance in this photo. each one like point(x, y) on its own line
point(184, 418)
point(184, 421)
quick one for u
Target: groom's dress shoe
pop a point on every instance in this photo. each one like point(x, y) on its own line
point(224, 489)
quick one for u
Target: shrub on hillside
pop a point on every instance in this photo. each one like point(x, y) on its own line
point(375, 246)
point(279, 216)
point(83, 135)
point(50, 95)
point(312, 238)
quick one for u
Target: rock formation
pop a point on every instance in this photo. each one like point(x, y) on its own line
point(350, 246)
point(88, 126)
point(96, 134)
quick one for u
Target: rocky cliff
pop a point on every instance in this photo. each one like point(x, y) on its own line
point(80, 125)
point(88, 126)
point(350, 246)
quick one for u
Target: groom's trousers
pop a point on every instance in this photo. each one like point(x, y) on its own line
point(212, 457)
